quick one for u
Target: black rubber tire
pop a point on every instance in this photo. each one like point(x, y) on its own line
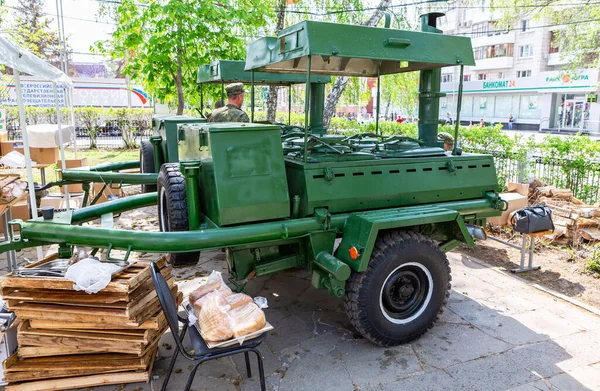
point(147, 164)
point(173, 209)
point(397, 251)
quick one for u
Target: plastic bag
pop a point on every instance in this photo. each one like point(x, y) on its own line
point(214, 282)
point(261, 302)
point(214, 320)
point(245, 320)
point(90, 275)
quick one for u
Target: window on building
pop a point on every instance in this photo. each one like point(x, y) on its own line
point(479, 29)
point(526, 73)
point(466, 77)
point(493, 51)
point(500, 75)
point(447, 78)
point(554, 43)
point(481, 76)
point(524, 25)
point(526, 51)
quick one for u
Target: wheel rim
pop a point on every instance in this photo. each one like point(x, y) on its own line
point(406, 293)
point(164, 215)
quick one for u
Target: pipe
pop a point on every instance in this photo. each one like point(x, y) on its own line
point(109, 177)
point(190, 171)
point(115, 206)
point(307, 106)
point(173, 242)
point(252, 96)
point(118, 166)
point(458, 108)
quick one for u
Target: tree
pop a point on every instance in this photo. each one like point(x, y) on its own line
point(165, 41)
point(342, 81)
point(32, 29)
point(272, 99)
point(577, 26)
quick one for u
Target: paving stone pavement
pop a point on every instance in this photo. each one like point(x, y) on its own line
point(496, 333)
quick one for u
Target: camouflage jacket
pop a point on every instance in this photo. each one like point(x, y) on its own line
point(228, 113)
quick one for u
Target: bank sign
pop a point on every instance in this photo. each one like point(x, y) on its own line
point(585, 80)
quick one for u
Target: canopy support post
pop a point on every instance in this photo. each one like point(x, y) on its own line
point(458, 108)
point(72, 104)
point(252, 96)
point(23, 126)
point(290, 105)
point(378, 98)
point(61, 141)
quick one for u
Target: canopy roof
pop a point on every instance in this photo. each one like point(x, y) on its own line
point(350, 50)
point(23, 60)
point(229, 71)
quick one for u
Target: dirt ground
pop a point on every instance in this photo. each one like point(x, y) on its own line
point(561, 270)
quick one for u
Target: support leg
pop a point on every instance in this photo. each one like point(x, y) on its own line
point(526, 252)
point(192, 375)
point(248, 369)
point(261, 370)
point(170, 370)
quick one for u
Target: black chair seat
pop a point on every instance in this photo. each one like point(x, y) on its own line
point(200, 348)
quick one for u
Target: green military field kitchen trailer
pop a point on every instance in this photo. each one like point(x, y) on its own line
point(371, 220)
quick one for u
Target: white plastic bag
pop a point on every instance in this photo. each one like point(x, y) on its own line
point(15, 159)
point(90, 275)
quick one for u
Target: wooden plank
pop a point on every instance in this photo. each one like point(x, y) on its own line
point(155, 322)
point(55, 296)
point(81, 382)
point(25, 376)
point(141, 272)
point(99, 346)
point(36, 351)
point(25, 329)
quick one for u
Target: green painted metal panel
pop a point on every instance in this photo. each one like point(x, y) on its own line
point(352, 50)
point(230, 71)
point(362, 228)
point(166, 128)
point(384, 183)
point(243, 173)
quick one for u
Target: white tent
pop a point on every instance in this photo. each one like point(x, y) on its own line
point(22, 60)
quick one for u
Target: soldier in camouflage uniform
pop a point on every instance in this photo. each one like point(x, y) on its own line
point(231, 112)
point(448, 140)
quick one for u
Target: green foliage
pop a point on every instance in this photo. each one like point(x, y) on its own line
point(592, 260)
point(578, 36)
point(88, 118)
point(33, 29)
point(165, 41)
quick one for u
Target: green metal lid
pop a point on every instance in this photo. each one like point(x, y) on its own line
point(351, 50)
point(230, 71)
point(230, 127)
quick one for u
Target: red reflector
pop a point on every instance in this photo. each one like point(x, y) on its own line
point(354, 253)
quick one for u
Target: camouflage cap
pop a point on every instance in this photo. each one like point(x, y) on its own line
point(447, 137)
point(234, 88)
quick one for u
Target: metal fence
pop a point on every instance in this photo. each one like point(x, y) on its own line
point(584, 181)
point(106, 137)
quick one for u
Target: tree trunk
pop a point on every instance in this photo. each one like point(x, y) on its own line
point(387, 106)
point(179, 83)
point(340, 82)
point(272, 99)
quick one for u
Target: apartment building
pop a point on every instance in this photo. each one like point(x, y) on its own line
point(520, 72)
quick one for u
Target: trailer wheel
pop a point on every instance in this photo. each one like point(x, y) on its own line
point(403, 291)
point(173, 210)
point(147, 163)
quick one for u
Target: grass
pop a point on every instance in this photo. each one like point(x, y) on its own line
point(592, 261)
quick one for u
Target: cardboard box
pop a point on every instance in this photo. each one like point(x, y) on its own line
point(107, 194)
point(38, 155)
point(521, 188)
point(59, 203)
point(515, 201)
point(72, 163)
point(3, 136)
point(19, 211)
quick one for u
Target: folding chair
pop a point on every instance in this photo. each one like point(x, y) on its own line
point(201, 352)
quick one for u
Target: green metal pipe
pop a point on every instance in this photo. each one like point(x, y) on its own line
point(156, 141)
point(190, 171)
point(172, 242)
point(338, 269)
point(115, 206)
point(118, 166)
point(109, 177)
